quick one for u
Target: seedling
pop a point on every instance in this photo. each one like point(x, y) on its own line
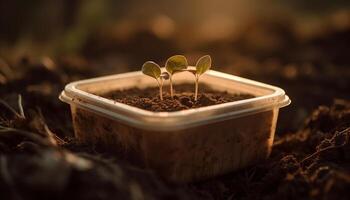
point(203, 65)
point(173, 65)
point(153, 70)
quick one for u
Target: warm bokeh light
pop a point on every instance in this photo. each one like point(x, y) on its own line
point(301, 46)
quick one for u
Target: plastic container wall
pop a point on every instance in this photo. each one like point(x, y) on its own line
point(181, 146)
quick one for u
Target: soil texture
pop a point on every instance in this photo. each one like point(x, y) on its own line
point(148, 98)
point(310, 159)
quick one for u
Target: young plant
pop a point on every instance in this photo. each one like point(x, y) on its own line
point(203, 65)
point(175, 64)
point(153, 70)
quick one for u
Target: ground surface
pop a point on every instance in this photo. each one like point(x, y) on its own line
point(39, 158)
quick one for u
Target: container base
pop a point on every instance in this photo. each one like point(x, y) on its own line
point(187, 155)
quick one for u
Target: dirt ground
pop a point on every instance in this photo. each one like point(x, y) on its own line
point(40, 159)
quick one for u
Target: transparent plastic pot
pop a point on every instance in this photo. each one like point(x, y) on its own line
point(181, 146)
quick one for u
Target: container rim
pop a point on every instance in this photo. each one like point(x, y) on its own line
point(177, 119)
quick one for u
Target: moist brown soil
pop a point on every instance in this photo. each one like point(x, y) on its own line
point(310, 158)
point(148, 98)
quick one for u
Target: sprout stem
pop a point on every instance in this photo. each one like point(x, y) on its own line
point(160, 85)
point(196, 88)
point(161, 89)
point(171, 86)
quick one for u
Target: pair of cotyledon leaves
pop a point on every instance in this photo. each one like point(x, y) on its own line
point(175, 64)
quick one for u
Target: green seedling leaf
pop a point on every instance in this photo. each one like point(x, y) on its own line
point(203, 65)
point(151, 69)
point(176, 63)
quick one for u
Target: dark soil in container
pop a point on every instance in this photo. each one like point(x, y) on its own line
point(149, 99)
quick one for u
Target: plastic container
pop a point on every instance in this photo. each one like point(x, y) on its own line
point(180, 146)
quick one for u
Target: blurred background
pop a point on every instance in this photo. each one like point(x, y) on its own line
point(301, 46)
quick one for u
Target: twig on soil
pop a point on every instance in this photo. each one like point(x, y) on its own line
point(32, 136)
point(53, 138)
point(20, 106)
point(4, 103)
point(320, 151)
point(7, 177)
point(324, 149)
